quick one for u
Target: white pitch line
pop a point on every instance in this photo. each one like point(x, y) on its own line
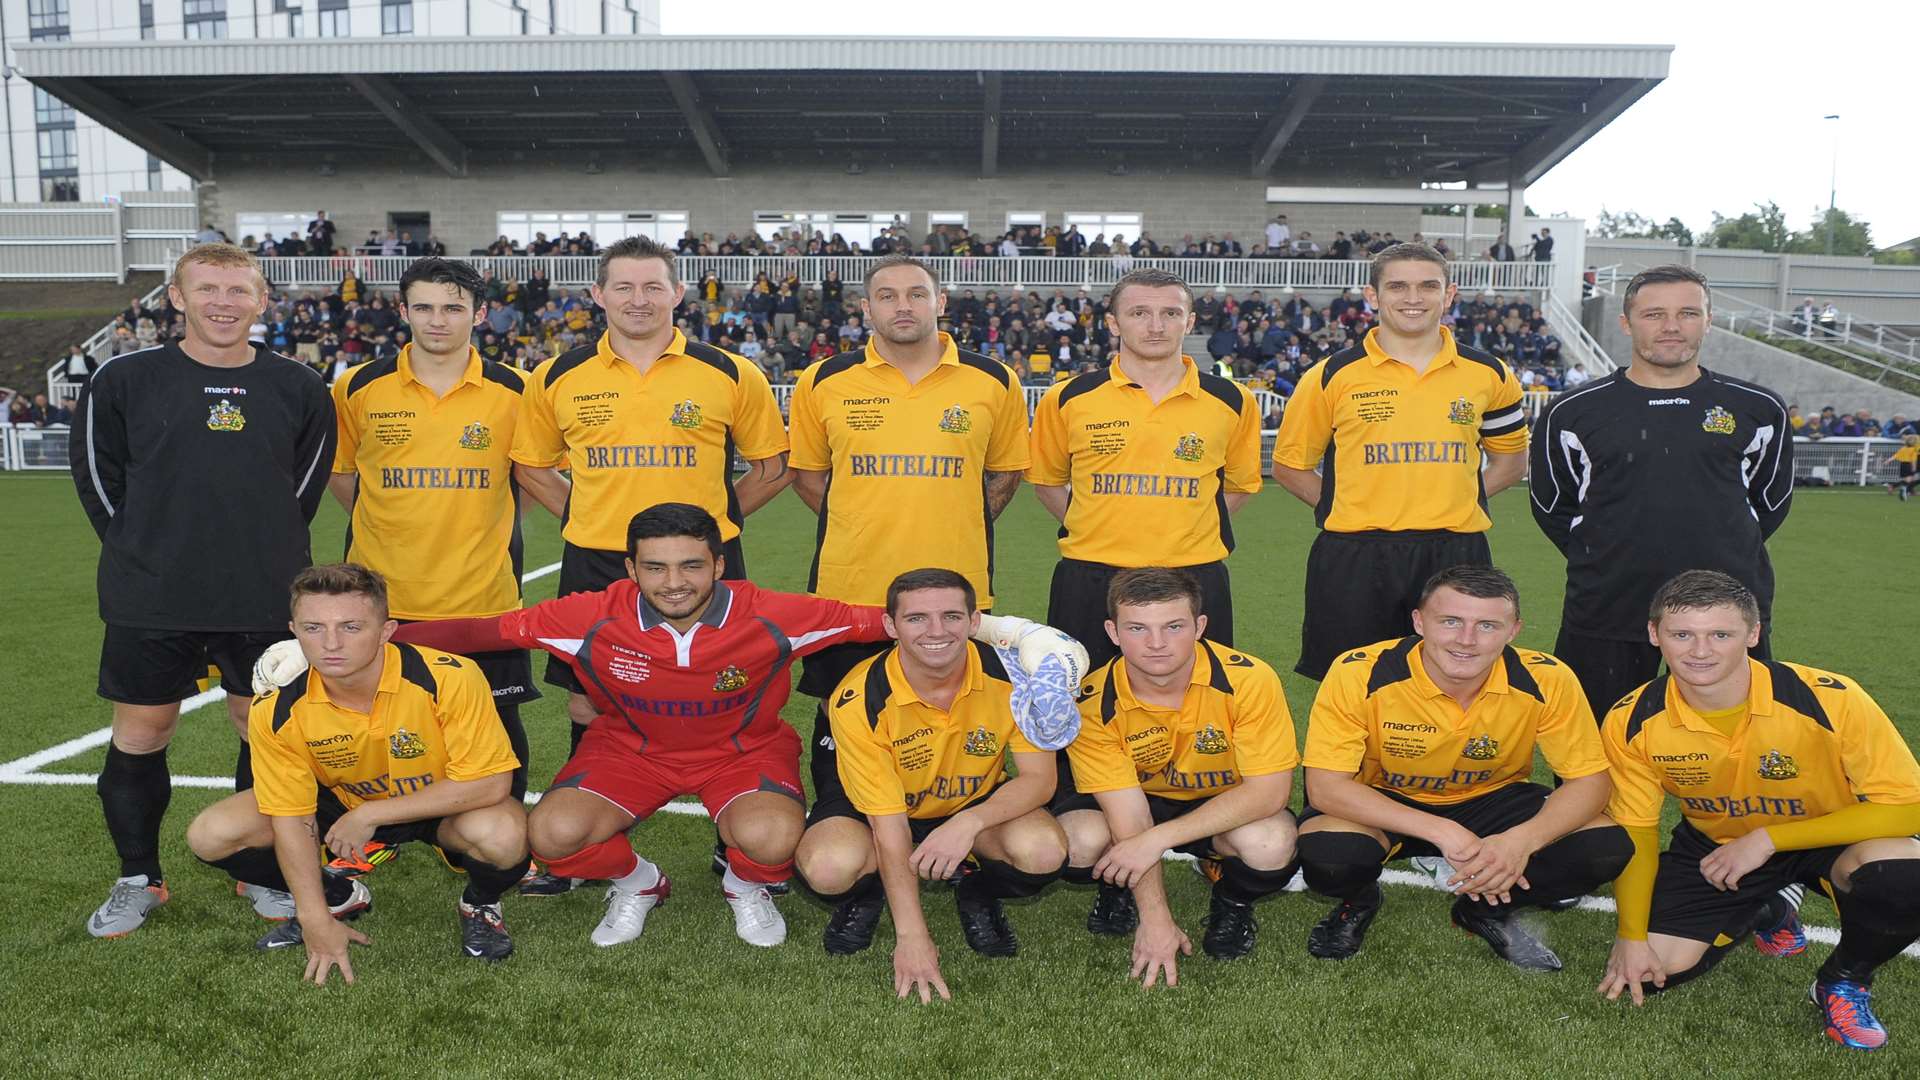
point(19, 768)
point(26, 770)
point(1823, 934)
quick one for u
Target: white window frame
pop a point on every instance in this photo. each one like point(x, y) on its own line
point(280, 223)
point(1130, 223)
point(605, 226)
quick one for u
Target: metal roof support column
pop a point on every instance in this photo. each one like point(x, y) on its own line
point(706, 132)
point(1517, 216)
point(439, 144)
point(990, 124)
point(1273, 139)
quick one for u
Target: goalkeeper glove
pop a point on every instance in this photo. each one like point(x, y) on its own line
point(1034, 642)
point(282, 663)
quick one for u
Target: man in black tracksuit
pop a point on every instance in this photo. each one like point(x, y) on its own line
point(1658, 468)
point(200, 463)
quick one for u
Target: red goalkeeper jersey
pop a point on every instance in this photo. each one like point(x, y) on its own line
point(718, 686)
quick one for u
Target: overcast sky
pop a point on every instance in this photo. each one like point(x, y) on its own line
point(1737, 121)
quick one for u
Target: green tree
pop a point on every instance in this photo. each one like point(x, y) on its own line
point(1764, 228)
point(1624, 225)
point(1676, 231)
point(1851, 236)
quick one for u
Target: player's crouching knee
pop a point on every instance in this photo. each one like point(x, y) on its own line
point(1087, 838)
point(226, 827)
point(769, 839)
point(830, 869)
point(495, 834)
point(1038, 850)
point(1885, 893)
point(555, 835)
point(1595, 855)
point(1339, 864)
point(1267, 844)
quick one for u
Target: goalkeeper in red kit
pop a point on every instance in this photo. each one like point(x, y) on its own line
point(687, 673)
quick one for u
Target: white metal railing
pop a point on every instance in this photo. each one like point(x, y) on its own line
point(1585, 350)
point(27, 446)
point(1843, 460)
point(1846, 334)
point(97, 345)
point(1888, 369)
point(970, 272)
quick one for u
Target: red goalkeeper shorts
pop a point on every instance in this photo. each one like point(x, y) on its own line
point(610, 765)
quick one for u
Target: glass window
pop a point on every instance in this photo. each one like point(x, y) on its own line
point(396, 17)
point(48, 20)
point(278, 224)
point(335, 20)
point(50, 111)
point(604, 226)
point(205, 19)
point(937, 218)
point(57, 151)
point(1110, 223)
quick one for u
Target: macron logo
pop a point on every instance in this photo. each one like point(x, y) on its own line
point(1671, 401)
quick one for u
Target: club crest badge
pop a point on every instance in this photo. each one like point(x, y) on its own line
point(1460, 412)
point(1481, 748)
point(731, 678)
point(225, 416)
point(1209, 740)
point(475, 437)
point(956, 421)
point(405, 744)
point(1718, 421)
point(1191, 447)
point(980, 743)
point(686, 415)
point(1775, 765)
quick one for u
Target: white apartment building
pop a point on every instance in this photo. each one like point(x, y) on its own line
point(56, 154)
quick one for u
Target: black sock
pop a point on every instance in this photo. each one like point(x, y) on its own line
point(1006, 882)
point(1077, 875)
point(1343, 865)
point(1879, 916)
point(517, 738)
point(579, 732)
point(1575, 864)
point(866, 887)
point(134, 792)
point(243, 767)
point(1242, 884)
point(253, 866)
point(487, 883)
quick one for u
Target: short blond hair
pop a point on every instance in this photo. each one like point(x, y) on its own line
point(232, 256)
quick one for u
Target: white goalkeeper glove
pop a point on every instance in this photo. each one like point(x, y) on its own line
point(282, 663)
point(1034, 642)
point(1045, 667)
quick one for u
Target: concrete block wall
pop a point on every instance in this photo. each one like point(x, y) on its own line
point(1798, 380)
point(464, 210)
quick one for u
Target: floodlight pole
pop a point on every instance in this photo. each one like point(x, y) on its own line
point(1833, 179)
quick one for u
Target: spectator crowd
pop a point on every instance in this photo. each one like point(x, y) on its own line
point(1861, 423)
